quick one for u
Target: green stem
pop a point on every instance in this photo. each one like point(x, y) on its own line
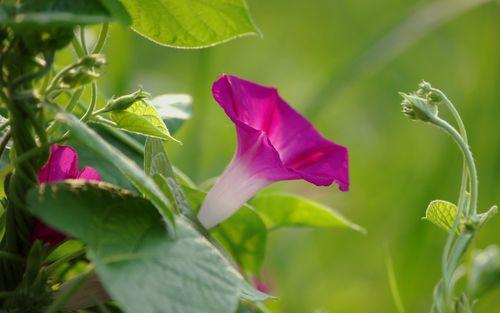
point(102, 39)
point(463, 133)
point(469, 159)
point(93, 102)
point(78, 47)
point(82, 39)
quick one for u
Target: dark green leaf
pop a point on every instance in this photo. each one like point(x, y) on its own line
point(140, 266)
point(190, 23)
point(63, 13)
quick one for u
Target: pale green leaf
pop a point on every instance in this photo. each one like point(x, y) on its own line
point(141, 118)
point(130, 247)
point(190, 23)
point(281, 209)
point(441, 213)
point(174, 109)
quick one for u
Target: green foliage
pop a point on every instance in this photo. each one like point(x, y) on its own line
point(190, 23)
point(174, 109)
point(36, 13)
point(106, 151)
point(130, 247)
point(141, 118)
point(157, 165)
point(244, 236)
point(281, 210)
point(442, 214)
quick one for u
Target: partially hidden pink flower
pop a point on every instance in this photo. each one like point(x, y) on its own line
point(274, 143)
point(62, 164)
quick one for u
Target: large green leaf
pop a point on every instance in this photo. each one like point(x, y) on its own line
point(190, 23)
point(63, 12)
point(141, 118)
point(101, 148)
point(281, 209)
point(442, 214)
point(139, 265)
point(174, 109)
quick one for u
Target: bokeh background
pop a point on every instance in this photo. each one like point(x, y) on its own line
point(342, 63)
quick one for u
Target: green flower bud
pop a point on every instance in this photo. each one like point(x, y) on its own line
point(124, 102)
point(78, 77)
point(418, 108)
point(92, 60)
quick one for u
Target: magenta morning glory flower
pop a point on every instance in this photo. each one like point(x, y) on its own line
point(274, 143)
point(62, 164)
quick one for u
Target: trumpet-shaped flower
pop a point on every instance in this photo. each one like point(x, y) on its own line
point(62, 164)
point(274, 143)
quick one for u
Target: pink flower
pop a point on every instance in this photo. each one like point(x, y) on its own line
point(62, 164)
point(274, 143)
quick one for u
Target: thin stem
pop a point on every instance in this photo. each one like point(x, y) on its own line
point(93, 102)
point(78, 47)
point(102, 39)
point(73, 101)
point(463, 133)
point(58, 76)
point(82, 39)
point(472, 211)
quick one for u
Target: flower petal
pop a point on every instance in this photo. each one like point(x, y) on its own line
point(90, 174)
point(46, 234)
point(62, 164)
point(301, 148)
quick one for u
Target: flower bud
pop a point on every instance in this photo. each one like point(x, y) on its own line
point(124, 102)
point(78, 77)
point(418, 108)
point(92, 60)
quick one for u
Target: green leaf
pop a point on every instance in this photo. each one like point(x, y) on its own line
point(190, 23)
point(141, 118)
point(281, 209)
point(174, 109)
point(101, 148)
point(244, 236)
point(157, 165)
point(442, 214)
point(139, 265)
point(44, 13)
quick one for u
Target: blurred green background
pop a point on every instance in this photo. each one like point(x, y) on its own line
point(327, 60)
